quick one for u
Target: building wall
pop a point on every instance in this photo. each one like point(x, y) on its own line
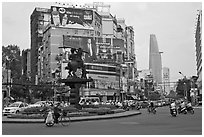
point(52, 40)
point(38, 20)
point(198, 45)
point(44, 47)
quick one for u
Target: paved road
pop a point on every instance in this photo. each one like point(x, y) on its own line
point(145, 124)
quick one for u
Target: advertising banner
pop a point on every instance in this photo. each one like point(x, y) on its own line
point(61, 16)
point(87, 44)
point(104, 48)
point(104, 81)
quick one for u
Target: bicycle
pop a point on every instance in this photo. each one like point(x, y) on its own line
point(64, 119)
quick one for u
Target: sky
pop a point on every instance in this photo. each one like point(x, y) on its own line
point(173, 23)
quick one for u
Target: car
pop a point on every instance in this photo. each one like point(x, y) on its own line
point(15, 108)
point(41, 104)
point(144, 104)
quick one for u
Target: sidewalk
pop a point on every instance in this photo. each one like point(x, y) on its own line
point(75, 119)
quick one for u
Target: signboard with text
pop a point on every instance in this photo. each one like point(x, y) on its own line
point(61, 16)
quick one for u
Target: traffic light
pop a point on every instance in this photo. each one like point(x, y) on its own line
point(74, 96)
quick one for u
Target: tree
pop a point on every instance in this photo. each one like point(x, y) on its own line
point(11, 60)
point(183, 88)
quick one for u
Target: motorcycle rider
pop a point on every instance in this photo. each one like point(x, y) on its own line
point(172, 106)
point(189, 106)
point(57, 111)
point(151, 106)
point(182, 106)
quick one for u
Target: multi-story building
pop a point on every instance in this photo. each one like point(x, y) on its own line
point(26, 63)
point(155, 63)
point(166, 80)
point(93, 31)
point(116, 28)
point(198, 45)
point(38, 20)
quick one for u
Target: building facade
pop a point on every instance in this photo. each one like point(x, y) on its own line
point(95, 32)
point(39, 19)
point(198, 45)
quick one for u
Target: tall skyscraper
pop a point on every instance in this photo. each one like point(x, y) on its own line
point(155, 63)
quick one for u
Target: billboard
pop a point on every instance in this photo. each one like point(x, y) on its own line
point(108, 46)
point(104, 48)
point(61, 16)
point(88, 45)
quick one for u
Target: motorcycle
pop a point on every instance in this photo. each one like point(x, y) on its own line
point(190, 109)
point(151, 110)
point(182, 110)
point(138, 107)
point(49, 121)
point(173, 112)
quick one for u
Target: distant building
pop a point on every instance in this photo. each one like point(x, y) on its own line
point(198, 45)
point(26, 63)
point(166, 80)
point(142, 76)
point(155, 63)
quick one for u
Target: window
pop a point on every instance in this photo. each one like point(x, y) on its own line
point(76, 31)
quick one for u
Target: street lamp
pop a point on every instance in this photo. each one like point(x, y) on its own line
point(9, 74)
point(184, 77)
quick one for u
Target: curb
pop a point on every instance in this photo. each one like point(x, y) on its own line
point(75, 119)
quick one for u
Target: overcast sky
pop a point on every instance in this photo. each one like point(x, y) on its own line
point(173, 23)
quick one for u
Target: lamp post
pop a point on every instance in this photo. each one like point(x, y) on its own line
point(9, 74)
point(185, 86)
